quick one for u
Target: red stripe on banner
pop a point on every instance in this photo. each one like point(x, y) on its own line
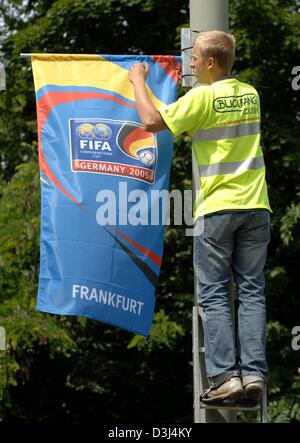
point(156, 259)
point(169, 64)
point(45, 105)
point(110, 168)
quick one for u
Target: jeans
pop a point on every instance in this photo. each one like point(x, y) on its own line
point(233, 242)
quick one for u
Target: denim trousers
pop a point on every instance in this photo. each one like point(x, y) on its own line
point(233, 243)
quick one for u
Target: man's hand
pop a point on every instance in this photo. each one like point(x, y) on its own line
point(138, 72)
point(149, 115)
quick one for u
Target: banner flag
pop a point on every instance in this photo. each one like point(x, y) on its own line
point(102, 179)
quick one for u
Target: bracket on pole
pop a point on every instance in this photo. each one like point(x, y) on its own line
point(187, 77)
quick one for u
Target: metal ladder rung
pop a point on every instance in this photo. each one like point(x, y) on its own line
point(237, 407)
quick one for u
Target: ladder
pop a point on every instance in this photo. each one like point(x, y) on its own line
point(218, 412)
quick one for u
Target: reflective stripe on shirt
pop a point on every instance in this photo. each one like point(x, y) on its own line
point(223, 168)
point(227, 132)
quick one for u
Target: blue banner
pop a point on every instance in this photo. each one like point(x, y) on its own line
point(101, 176)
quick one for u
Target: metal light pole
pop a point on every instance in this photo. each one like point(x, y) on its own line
point(209, 15)
point(205, 15)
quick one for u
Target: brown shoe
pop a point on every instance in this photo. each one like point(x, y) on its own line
point(254, 390)
point(230, 390)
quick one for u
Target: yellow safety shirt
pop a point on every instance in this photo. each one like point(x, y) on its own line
point(224, 122)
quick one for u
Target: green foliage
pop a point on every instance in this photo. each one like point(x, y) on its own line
point(27, 330)
point(19, 228)
point(163, 334)
point(289, 221)
point(285, 410)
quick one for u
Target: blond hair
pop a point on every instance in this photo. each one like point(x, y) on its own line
point(219, 45)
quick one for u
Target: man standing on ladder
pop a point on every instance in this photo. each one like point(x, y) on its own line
point(223, 118)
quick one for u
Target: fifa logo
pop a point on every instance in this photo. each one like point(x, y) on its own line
point(94, 137)
point(114, 147)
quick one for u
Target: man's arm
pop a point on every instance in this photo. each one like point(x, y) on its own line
point(149, 115)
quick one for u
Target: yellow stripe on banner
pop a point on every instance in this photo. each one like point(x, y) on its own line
point(92, 71)
point(45, 181)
